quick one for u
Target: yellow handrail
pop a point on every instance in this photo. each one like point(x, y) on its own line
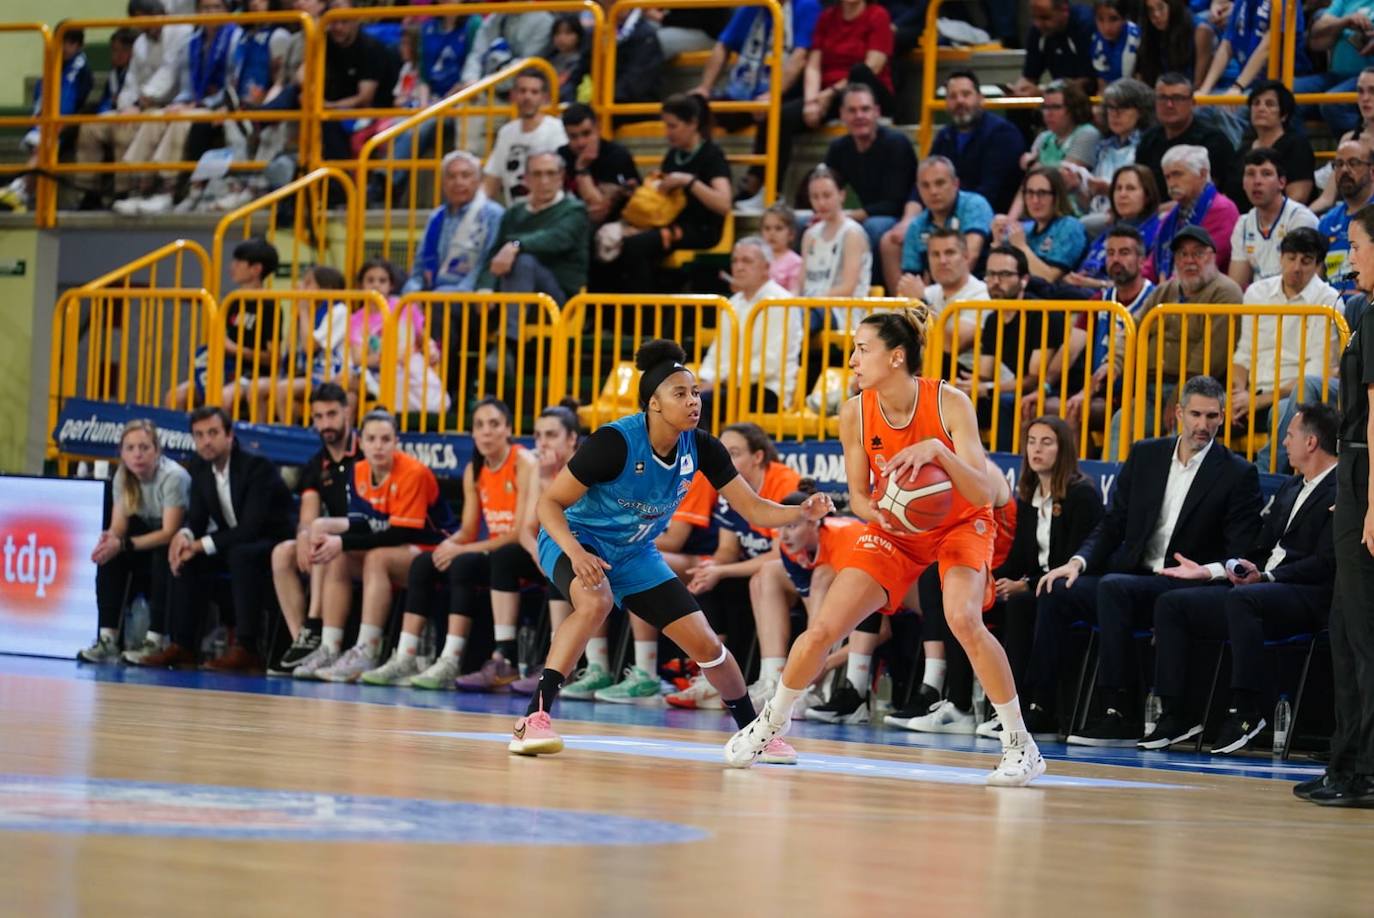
point(30, 120)
point(358, 227)
point(316, 186)
point(177, 247)
point(609, 107)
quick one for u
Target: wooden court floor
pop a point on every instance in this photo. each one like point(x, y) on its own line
point(124, 800)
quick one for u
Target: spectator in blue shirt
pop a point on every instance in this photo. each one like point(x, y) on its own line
point(749, 36)
point(945, 207)
point(985, 148)
point(1116, 42)
point(1059, 42)
point(1247, 39)
point(1354, 189)
point(76, 88)
point(460, 233)
point(1346, 29)
point(1052, 240)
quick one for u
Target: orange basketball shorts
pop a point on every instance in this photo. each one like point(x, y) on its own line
point(897, 561)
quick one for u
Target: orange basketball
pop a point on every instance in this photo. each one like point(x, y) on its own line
point(916, 502)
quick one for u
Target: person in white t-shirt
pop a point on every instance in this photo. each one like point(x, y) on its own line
point(948, 257)
point(775, 342)
point(1301, 355)
point(836, 259)
point(1272, 216)
point(532, 132)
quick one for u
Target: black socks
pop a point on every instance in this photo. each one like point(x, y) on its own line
point(741, 709)
point(550, 681)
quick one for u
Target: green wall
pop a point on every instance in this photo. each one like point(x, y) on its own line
point(21, 55)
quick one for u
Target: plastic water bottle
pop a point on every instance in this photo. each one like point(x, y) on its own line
point(882, 695)
point(136, 622)
point(1154, 708)
point(980, 702)
point(1283, 721)
point(526, 640)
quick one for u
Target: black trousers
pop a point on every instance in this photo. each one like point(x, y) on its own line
point(1117, 603)
point(1247, 616)
point(148, 571)
point(1352, 620)
point(466, 581)
point(248, 568)
point(1013, 619)
point(791, 123)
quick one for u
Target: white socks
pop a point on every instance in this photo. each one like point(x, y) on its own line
point(369, 636)
point(154, 637)
point(1010, 716)
point(109, 634)
point(934, 674)
point(503, 632)
point(771, 667)
point(783, 700)
point(331, 638)
point(453, 645)
point(599, 652)
point(409, 645)
point(646, 656)
point(859, 671)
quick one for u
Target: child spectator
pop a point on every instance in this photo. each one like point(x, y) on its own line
point(321, 330)
point(566, 55)
point(779, 230)
point(76, 89)
point(1116, 43)
point(419, 386)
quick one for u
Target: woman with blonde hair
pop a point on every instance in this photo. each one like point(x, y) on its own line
point(151, 493)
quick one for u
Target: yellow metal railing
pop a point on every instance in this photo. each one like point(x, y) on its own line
point(310, 224)
point(601, 332)
point(609, 108)
point(822, 361)
point(24, 122)
point(1009, 361)
point(1177, 357)
point(172, 256)
point(453, 349)
point(53, 121)
point(377, 156)
point(298, 340)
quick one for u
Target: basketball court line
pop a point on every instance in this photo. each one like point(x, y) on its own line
point(815, 763)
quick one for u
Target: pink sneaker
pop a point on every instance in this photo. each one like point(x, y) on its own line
point(534, 736)
point(494, 676)
point(778, 752)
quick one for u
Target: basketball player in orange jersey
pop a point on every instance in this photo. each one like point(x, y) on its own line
point(898, 423)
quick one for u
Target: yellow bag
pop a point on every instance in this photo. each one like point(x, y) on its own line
point(650, 208)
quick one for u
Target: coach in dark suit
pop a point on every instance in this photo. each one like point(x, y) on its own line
point(239, 509)
point(1280, 587)
point(1186, 495)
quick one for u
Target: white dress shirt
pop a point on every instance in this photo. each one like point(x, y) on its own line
point(1181, 476)
point(226, 505)
point(1293, 362)
point(1308, 486)
point(1044, 511)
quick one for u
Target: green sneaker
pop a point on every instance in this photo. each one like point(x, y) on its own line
point(439, 677)
point(586, 683)
point(633, 688)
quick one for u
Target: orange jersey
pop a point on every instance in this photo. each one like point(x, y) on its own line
point(697, 504)
point(498, 493)
point(836, 535)
point(1005, 518)
point(407, 497)
point(883, 439)
point(778, 481)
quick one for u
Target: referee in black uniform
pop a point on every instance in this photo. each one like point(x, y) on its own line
point(1349, 778)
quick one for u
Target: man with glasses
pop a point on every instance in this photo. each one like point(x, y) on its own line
point(1178, 124)
point(1351, 170)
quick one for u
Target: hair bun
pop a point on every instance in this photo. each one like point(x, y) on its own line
point(652, 353)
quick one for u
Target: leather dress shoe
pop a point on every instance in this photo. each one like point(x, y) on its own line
point(171, 656)
point(1305, 789)
point(237, 659)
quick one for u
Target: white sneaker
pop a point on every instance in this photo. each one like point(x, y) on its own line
point(321, 657)
point(232, 200)
point(748, 744)
point(440, 675)
point(1021, 762)
point(355, 661)
point(148, 647)
point(762, 690)
point(128, 207)
point(104, 650)
point(751, 206)
point(943, 718)
point(991, 728)
point(814, 698)
point(700, 695)
point(159, 203)
point(398, 671)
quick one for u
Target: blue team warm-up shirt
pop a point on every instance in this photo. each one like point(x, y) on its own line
point(622, 513)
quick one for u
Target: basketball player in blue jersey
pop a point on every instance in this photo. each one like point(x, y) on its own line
point(599, 519)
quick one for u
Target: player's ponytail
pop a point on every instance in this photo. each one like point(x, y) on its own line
point(805, 488)
point(905, 329)
point(657, 360)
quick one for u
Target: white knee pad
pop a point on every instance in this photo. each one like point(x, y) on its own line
point(717, 661)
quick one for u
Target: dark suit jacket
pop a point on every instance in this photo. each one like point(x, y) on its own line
point(1308, 555)
point(1219, 519)
point(1077, 514)
point(262, 503)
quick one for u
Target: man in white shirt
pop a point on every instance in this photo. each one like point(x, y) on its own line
point(533, 131)
point(775, 338)
point(1175, 498)
point(1280, 587)
point(951, 264)
point(1273, 215)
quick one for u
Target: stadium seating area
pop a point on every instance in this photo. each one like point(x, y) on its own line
point(437, 206)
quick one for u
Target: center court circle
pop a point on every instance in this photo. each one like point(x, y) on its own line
point(30, 803)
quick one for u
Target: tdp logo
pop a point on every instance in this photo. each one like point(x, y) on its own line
point(29, 563)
